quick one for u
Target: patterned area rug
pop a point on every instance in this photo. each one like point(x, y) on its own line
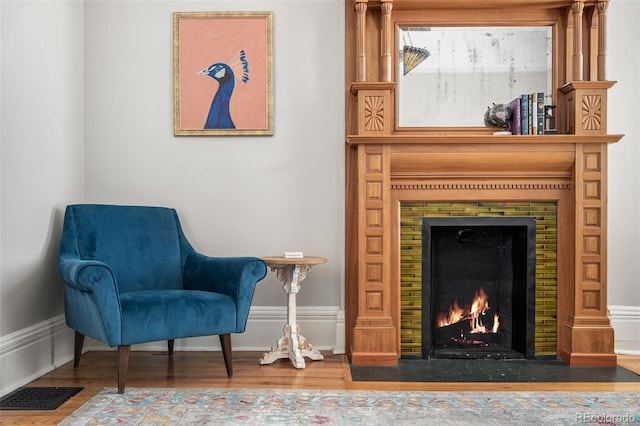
point(139, 406)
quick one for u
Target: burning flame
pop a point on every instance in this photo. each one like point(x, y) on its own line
point(496, 323)
point(456, 314)
point(478, 309)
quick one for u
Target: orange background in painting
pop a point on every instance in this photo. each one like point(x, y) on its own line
point(205, 41)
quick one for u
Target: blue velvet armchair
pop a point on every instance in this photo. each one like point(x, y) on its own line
point(132, 277)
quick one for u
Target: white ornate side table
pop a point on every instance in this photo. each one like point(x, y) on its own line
point(292, 344)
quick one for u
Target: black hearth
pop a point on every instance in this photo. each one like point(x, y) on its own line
point(478, 282)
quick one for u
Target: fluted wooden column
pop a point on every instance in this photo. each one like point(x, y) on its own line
point(568, 56)
point(578, 59)
point(593, 46)
point(361, 29)
point(386, 43)
point(602, 6)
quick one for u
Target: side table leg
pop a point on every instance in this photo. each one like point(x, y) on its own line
point(306, 349)
point(280, 350)
point(292, 344)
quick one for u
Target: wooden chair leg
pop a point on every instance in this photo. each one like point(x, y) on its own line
point(123, 364)
point(225, 342)
point(77, 351)
point(170, 346)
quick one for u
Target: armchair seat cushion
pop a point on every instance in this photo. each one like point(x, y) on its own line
point(152, 315)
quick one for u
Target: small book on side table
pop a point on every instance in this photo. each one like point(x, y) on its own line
point(293, 255)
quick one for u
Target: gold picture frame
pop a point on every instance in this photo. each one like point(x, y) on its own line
point(222, 73)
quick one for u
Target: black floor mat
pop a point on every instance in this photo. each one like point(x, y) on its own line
point(455, 370)
point(37, 398)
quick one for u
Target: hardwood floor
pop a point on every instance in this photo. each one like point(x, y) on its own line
point(206, 370)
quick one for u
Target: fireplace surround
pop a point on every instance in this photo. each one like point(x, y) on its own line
point(412, 215)
point(565, 173)
point(387, 165)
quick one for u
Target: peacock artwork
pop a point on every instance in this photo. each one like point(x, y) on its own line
point(219, 116)
point(222, 73)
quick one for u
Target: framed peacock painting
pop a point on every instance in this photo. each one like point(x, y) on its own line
point(222, 73)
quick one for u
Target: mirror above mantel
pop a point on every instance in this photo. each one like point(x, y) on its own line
point(448, 76)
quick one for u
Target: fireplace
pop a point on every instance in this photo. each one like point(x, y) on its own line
point(478, 281)
point(387, 165)
point(479, 170)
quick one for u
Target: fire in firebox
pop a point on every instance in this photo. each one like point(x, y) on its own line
point(478, 282)
point(459, 323)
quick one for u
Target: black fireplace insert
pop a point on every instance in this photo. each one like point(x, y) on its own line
point(478, 287)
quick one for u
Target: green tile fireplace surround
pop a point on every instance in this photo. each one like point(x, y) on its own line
point(411, 214)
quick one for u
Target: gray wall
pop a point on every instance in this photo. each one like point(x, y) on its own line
point(623, 44)
point(42, 154)
point(235, 195)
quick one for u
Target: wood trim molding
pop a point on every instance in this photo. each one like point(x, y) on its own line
point(481, 186)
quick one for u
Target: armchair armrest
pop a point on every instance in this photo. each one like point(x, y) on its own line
point(233, 276)
point(92, 299)
point(72, 272)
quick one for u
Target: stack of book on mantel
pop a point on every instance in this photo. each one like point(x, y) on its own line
point(530, 116)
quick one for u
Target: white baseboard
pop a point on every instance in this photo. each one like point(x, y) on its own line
point(31, 352)
point(625, 321)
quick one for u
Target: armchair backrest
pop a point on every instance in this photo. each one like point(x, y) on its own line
point(144, 246)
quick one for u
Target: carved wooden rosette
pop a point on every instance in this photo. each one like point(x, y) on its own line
point(584, 106)
point(375, 107)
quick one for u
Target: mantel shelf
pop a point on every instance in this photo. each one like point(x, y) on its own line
point(355, 140)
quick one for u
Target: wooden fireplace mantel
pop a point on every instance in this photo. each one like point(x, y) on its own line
point(387, 165)
point(475, 139)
